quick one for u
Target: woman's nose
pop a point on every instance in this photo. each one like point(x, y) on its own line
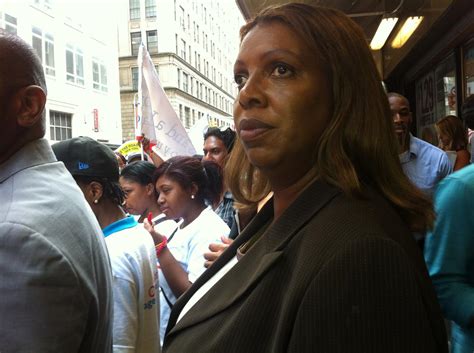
point(252, 94)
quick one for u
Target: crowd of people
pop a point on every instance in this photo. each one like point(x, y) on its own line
point(298, 232)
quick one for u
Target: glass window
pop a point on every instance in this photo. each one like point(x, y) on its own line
point(152, 41)
point(9, 23)
point(187, 117)
point(134, 9)
point(99, 75)
point(95, 75)
point(136, 39)
point(185, 82)
point(150, 8)
point(49, 54)
point(469, 70)
point(135, 78)
point(445, 75)
point(181, 18)
point(74, 65)
point(43, 43)
point(183, 49)
point(79, 67)
point(37, 42)
point(60, 125)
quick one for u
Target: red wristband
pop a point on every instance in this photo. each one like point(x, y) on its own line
point(159, 247)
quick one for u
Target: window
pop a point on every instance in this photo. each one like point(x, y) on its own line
point(135, 78)
point(183, 49)
point(150, 8)
point(99, 75)
point(46, 4)
point(134, 9)
point(43, 43)
point(179, 78)
point(185, 82)
point(187, 117)
point(176, 43)
point(74, 65)
point(445, 78)
point(152, 42)
point(469, 70)
point(136, 39)
point(181, 18)
point(8, 23)
point(60, 125)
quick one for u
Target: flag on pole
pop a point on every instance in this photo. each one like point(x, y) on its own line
point(155, 117)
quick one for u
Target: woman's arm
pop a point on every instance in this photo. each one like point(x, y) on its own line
point(463, 158)
point(175, 275)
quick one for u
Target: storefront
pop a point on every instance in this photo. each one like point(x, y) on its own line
point(438, 73)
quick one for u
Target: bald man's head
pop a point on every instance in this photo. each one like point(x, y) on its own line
point(22, 95)
point(19, 64)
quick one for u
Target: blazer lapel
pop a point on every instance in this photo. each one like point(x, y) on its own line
point(258, 260)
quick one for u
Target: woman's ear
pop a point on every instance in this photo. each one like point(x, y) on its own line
point(96, 191)
point(194, 189)
point(150, 189)
point(29, 104)
point(92, 192)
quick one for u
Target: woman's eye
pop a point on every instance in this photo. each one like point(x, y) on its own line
point(282, 70)
point(240, 80)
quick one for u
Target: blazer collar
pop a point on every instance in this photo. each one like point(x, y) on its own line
point(258, 260)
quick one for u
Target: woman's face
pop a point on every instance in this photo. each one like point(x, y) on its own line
point(444, 141)
point(173, 200)
point(284, 99)
point(137, 196)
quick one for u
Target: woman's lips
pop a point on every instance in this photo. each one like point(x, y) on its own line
point(250, 129)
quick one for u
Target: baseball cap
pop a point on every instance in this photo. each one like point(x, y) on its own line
point(83, 156)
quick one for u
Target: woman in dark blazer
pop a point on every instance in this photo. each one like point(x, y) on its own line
point(329, 264)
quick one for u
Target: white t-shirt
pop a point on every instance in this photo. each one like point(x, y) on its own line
point(135, 282)
point(188, 246)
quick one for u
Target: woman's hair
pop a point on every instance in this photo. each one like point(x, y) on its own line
point(206, 175)
point(140, 172)
point(452, 127)
point(111, 189)
point(358, 147)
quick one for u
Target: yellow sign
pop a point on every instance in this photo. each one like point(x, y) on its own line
point(129, 147)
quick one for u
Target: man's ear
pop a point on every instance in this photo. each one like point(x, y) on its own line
point(30, 102)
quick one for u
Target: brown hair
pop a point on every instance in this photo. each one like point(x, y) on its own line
point(358, 147)
point(453, 128)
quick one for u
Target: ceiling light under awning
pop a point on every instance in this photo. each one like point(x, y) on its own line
point(382, 33)
point(410, 25)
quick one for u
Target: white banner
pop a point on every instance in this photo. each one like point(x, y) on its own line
point(155, 117)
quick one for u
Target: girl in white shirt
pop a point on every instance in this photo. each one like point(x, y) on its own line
point(185, 186)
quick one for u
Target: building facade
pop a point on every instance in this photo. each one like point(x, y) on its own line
point(80, 64)
point(193, 44)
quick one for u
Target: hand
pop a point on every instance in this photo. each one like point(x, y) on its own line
point(157, 237)
point(145, 143)
point(216, 250)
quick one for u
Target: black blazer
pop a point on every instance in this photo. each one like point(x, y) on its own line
point(332, 274)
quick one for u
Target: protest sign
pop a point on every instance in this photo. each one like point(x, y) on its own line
point(155, 117)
